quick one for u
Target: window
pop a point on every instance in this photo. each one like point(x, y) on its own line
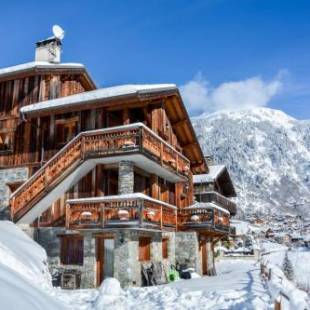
point(6, 141)
point(165, 247)
point(71, 250)
point(144, 249)
point(66, 130)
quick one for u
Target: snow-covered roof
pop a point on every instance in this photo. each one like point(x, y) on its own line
point(38, 65)
point(214, 172)
point(207, 205)
point(95, 95)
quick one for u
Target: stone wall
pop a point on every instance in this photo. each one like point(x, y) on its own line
point(187, 250)
point(13, 175)
point(49, 239)
point(126, 266)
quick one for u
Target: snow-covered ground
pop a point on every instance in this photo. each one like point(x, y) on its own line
point(300, 258)
point(237, 286)
point(26, 284)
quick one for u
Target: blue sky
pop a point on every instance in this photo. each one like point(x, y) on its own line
point(255, 52)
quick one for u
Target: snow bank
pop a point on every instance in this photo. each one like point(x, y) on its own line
point(24, 277)
point(280, 286)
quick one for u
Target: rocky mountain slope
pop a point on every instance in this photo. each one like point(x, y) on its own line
point(267, 153)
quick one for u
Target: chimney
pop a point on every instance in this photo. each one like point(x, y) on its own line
point(48, 50)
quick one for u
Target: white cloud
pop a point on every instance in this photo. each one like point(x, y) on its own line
point(200, 97)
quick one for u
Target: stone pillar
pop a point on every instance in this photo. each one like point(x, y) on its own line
point(88, 276)
point(127, 267)
point(187, 250)
point(210, 258)
point(125, 177)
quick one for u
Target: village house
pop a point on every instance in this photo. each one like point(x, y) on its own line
point(102, 178)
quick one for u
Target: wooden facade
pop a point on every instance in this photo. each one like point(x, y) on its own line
point(54, 141)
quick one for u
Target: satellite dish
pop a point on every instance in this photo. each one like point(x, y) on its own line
point(58, 32)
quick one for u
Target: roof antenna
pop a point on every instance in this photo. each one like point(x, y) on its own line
point(58, 32)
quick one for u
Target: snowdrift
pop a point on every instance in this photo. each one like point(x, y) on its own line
point(24, 276)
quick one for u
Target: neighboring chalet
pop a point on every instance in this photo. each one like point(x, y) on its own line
point(103, 178)
point(212, 192)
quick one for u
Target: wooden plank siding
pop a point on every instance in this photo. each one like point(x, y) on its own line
point(24, 136)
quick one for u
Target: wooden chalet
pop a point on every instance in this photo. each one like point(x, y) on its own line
point(104, 176)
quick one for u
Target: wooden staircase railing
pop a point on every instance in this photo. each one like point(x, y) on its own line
point(132, 210)
point(113, 141)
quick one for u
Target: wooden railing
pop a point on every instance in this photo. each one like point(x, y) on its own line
point(120, 140)
point(133, 210)
point(212, 196)
point(203, 218)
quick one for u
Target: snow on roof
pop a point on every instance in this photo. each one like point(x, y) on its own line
point(214, 172)
point(207, 205)
point(119, 198)
point(38, 65)
point(98, 94)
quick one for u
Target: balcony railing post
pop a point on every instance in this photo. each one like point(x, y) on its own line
point(161, 217)
point(83, 147)
point(140, 137)
point(102, 217)
point(140, 206)
point(68, 215)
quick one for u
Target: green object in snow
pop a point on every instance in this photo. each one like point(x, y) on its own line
point(173, 275)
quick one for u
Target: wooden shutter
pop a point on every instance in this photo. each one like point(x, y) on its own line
point(71, 251)
point(144, 249)
point(165, 247)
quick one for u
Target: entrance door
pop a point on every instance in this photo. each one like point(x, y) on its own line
point(105, 258)
point(203, 253)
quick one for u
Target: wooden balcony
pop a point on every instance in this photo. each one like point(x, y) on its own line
point(217, 198)
point(206, 218)
point(122, 211)
point(113, 143)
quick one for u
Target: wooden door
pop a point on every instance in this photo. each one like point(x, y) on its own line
point(104, 258)
point(203, 253)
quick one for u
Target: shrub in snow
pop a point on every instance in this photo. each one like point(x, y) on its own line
point(288, 268)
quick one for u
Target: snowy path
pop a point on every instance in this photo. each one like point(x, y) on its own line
point(237, 286)
point(238, 283)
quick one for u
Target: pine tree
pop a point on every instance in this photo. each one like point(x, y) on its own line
point(287, 268)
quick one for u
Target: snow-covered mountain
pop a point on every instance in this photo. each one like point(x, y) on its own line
point(267, 153)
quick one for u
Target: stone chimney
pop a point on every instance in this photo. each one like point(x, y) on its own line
point(48, 50)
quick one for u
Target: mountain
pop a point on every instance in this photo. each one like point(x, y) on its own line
point(267, 154)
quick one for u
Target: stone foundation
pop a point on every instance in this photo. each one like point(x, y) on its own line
point(9, 176)
point(126, 266)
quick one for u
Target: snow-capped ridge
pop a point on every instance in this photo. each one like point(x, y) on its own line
point(267, 153)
